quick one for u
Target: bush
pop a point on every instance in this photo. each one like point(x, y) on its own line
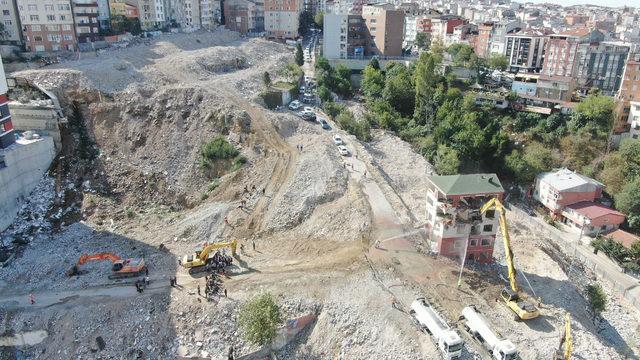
point(259, 319)
point(213, 184)
point(238, 162)
point(333, 109)
point(597, 298)
point(217, 149)
point(360, 129)
point(204, 196)
point(129, 213)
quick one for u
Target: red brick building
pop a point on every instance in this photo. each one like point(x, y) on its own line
point(85, 14)
point(454, 220)
point(47, 25)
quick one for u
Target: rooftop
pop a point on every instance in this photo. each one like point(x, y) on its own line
point(467, 184)
point(565, 179)
point(622, 237)
point(593, 210)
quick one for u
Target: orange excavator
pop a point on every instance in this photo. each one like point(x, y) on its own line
point(120, 269)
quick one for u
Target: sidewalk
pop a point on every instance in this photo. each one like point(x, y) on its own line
point(600, 264)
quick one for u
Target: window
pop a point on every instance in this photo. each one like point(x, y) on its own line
point(51, 18)
point(490, 214)
point(48, 7)
point(53, 28)
point(473, 242)
point(35, 28)
point(66, 27)
point(37, 38)
point(32, 7)
point(6, 12)
point(487, 228)
point(34, 18)
point(68, 37)
point(457, 244)
point(485, 242)
point(63, 7)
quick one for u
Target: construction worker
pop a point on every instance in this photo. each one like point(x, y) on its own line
point(225, 292)
point(198, 289)
point(32, 299)
point(254, 245)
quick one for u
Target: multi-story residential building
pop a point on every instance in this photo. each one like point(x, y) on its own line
point(344, 6)
point(282, 18)
point(345, 36)
point(151, 13)
point(104, 14)
point(186, 13)
point(575, 19)
point(210, 14)
point(629, 91)
point(525, 50)
point(571, 198)
point(601, 65)
point(244, 16)
point(633, 119)
point(443, 26)
point(385, 25)
point(454, 221)
point(85, 16)
point(492, 36)
point(47, 25)
point(11, 21)
point(7, 136)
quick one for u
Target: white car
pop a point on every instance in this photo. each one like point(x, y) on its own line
point(337, 140)
point(295, 105)
point(307, 109)
point(343, 151)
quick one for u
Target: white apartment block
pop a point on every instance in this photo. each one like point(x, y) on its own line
point(10, 20)
point(47, 25)
point(151, 12)
point(634, 119)
point(209, 14)
point(282, 18)
point(186, 13)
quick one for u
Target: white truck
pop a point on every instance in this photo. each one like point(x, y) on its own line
point(478, 327)
point(448, 340)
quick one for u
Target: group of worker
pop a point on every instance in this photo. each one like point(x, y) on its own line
point(212, 286)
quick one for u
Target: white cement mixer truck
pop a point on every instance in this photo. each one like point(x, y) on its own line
point(428, 319)
point(478, 327)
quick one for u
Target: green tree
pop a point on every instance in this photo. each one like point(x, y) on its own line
point(360, 129)
point(292, 72)
point(628, 199)
point(399, 89)
point(593, 114)
point(266, 79)
point(498, 61)
point(299, 57)
point(372, 82)
point(425, 79)
point(630, 152)
point(306, 20)
point(597, 298)
point(324, 94)
point(579, 150)
point(447, 160)
point(319, 19)
point(612, 174)
point(259, 319)
point(422, 40)
point(634, 252)
point(374, 63)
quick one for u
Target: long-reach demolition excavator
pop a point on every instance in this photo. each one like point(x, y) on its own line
point(201, 261)
point(524, 308)
point(120, 269)
point(566, 341)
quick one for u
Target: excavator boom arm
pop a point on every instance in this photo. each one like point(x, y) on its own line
point(497, 205)
point(204, 254)
point(101, 256)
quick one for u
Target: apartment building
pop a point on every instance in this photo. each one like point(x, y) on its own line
point(454, 221)
point(633, 120)
point(282, 18)
point(576, 19)
point(353, 7)
point(104, 14)
point(385, 26)
point(492, 36)
point(11, 21)
point(345, 36)
point(150, 12)
point(47, 25)
point(186, 13)
point(525, 50)
point(629, 91)
point(443, 26)
point(601, 65)
point(244, 16)
point(210, 13)
point(85, 16)
point(7, 136)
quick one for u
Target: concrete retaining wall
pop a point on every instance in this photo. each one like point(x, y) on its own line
point(25, 165)
point(44, 120)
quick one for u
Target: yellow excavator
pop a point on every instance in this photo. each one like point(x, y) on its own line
point(201, 261)
point(524, 309)
point(566, 341)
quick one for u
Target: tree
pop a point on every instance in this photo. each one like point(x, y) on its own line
point(266, 79)
point(292, 72)
point(579, 150)
point(121, 24)
point(324, 94)
point(597, 298)
point(306, 21)
point(525, 165)
point(630, 152)
point(628, 199)
point(425, 78)
point(299, 57)
point(422, 40)
point(634, 252)
point(594, 114)
point(498, 62)
point(372, 82)
point(319, 19)
point(399, 89)
point(613, 173)
point(447, 161)
point(259, 319)
point(374, 63)
point(360, 129)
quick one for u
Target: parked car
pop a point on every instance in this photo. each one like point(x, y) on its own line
point(295, 105)
point(307, 115)
point(308, 98)
point(308, 109)
point(325, 125)
point(337, 140)
point(343, 151)
point(301, 88)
